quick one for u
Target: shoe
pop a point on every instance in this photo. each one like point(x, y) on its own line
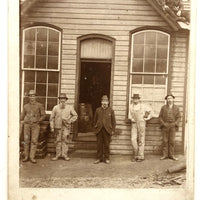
point(173, 158)
point(163, 158)
point(67, 158)
point(54, 158)
point(97, 161)
point(33, 160)
point(25, 159)
point(107, 161)
point(139, 160)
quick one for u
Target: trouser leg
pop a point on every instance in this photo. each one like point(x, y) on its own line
point(65, 141)
point(141, 139)
point(134, 139)
point(106, 144)
point(35, 131)
point(27, 136)
point(100, 145)
point(165, 141)
point(172, 134)
point(58, 142)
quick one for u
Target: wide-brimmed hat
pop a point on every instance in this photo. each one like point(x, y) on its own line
point(104, 98)
point(169, 95)
point(31, 93)
point(135, 96)
point(63, 96)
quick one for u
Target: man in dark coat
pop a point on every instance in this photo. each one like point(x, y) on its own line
point(104, 124)
point(169, 118)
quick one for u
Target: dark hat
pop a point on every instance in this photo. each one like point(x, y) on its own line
point(104, 98)
point(31, 93)
point(135, 96)
point(63, 96)
point(169, 95)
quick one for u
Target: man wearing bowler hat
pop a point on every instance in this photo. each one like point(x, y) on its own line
point(169, 118)
point(33, 113)
point(139, 113)
point(104, 124)
point(60, 123)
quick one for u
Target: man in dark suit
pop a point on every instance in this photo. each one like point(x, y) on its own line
point(104, 124)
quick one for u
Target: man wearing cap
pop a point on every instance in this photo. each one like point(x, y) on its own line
point(33, 113)
point(169, 118)
point(104, 124)
point(60, 123)
point(139, 113)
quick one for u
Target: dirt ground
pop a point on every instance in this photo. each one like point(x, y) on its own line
point(80, 172)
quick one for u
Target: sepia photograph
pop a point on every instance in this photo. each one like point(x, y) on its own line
point(102, 99)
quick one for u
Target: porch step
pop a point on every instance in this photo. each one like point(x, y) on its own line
point(82, 153)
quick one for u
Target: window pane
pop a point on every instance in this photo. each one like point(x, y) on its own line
point(148, 79)
point(162, 53)
point(52, 62)
point(138, 51)
point(138, 38)
point(149, 65)
point(51, 102)
point(41, 77)
point(162, 39)
point(161, 66)
point(160, 80)
point(29, 76)
point(41, 34)
point(150, 51)
point(41, 48)
point(29, 48)
point(27, 87)
point(53, 77)
point(137, 65)
point(159, 94)
point(41, 100)
point(53, 90)
point(41, 62)
point(150, 38)
point(137, 79)
point(41, 89)
point(28, 61)
point(30, 34)
point(53, 48)
point(53, 36)
point(148, 93)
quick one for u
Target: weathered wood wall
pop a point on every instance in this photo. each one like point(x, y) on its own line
point(115, 18)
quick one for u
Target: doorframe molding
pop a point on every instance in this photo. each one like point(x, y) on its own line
point(78, 63)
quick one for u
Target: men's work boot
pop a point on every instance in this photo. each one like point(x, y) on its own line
point(33, 160)
point(54, 158)
point(25, 159)
point(67, 158)
point(163, 157)
point(97, 161)
point(173, 158)
point(107, 161)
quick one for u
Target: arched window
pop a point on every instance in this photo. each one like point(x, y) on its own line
point(41, 64)
point(149, 66)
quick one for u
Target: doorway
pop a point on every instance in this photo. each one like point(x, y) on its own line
point(95, 78)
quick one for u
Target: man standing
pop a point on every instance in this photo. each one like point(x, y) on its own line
point(169, 118)
point(139, 113)
point(33, 113)
point(104, 124)
point(60, 123)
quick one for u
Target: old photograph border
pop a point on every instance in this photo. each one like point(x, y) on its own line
point(15, 192)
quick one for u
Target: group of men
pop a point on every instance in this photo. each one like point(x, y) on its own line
point(63, 115)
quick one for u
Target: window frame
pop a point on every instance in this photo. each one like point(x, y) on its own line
point(131, 73)
point(23, 69)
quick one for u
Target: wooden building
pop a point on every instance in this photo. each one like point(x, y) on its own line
point(87, 48)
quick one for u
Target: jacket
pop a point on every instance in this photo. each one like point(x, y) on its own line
point(62, 116)
point(104, 118)
point(33, 113)
point(163, 116)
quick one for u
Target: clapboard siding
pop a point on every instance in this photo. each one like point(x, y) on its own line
point(114, 18)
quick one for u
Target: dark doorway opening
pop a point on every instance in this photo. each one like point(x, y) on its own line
point(94, 83)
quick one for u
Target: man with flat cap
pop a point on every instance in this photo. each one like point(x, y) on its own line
point(139, 113)
point(60, 123)
point(33, 113)
point(169, 118)
point(104, 125)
